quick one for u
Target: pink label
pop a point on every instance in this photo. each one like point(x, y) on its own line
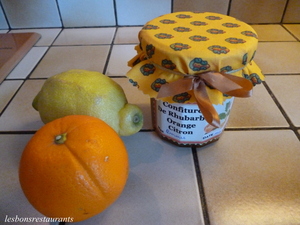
point(185, 124)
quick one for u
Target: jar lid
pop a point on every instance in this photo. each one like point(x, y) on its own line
point(188, 43)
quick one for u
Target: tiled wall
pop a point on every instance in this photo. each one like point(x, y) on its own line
point(16, 14)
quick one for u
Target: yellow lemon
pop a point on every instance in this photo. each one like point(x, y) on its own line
point(82, 92)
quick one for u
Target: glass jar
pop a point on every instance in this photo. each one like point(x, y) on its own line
point(185, 125)
point(192, 65)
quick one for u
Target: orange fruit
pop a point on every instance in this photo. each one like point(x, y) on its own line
point(73, 167)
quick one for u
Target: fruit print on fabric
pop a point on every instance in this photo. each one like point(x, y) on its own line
point(183, 16)
point(198, 23)
point(198, 38)
point(150, 27)
point(191, 43)
point(147, 69)
point(235, 40)
point(166, 21)
point(157, 84)
point(168, 64)
point(164, 36)
point(252, 56)
point(226, 69)
point(213, 18)
point(245, 58)
point(134, 83)
point(254, 78)
point(198, 64)
point(217, 49)
point(182, 29)
point(179, 46)
point(150, 49)
point(181, 98)
point(231, 25)
point(216, 31)
point(249, 34)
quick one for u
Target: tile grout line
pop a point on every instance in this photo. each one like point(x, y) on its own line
point(25, 78)
point(13, 96)
point(59, 14)
point(284, 11)
point(281, 109)
point(109, 52)
point(229, 7)
point(18, 132)
point(59, 33)
point(200, 187)
point(255, 128)
point(28, 76)
point(37, 63)
point(116, 13)
point(280, 74)
point(291, 33)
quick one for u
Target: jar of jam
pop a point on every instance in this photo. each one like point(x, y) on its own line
point(185, 125)
point(192, 65)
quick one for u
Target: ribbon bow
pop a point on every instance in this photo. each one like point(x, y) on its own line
point(225, 83)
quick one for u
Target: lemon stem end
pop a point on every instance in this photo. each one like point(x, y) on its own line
point(136, 119)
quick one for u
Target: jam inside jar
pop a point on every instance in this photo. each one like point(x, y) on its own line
point(184, 124)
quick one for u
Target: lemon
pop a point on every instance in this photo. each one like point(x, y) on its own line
point(82, 92)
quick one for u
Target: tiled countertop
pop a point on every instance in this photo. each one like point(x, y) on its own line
point(250, 176)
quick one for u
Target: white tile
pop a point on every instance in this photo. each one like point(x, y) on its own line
point(7, 90)
point(291, 14)
point(137, 97)
point(60, 59)
point(119, 58)
point(286, 90)
point(3, 23)
point(294, 29)
point(272, 32)
point(26, 65)
point(47, 35)
point(85, 36)
point(3, 31)
point(127, 35)
point(13, 202)
point(77, 13)
point(252, 177)
point(259, 110)
point(267, 11)
point(278, 57)
point(31, 13)
point(20, 115)
point(217, 6)
point(131, 12)
point(161, 188)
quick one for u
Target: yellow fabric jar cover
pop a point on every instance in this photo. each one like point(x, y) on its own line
point(187, 44)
